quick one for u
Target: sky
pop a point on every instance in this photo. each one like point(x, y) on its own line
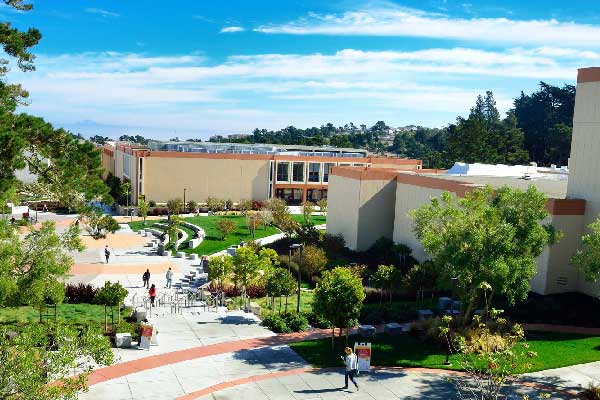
point(193, 68)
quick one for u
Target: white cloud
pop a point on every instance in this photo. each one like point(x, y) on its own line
point(271, 90)
point(399, 21)
point(232, 29)
point(101, 12)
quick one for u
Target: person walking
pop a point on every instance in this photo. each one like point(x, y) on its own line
point(106, 253)
point(152, 294)
point(169, 278)
point(351, 363)
point(146, 278)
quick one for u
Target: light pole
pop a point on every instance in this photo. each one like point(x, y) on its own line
point(184, 189)
point(298, 246)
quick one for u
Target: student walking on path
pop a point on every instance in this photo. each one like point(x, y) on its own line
point(146, 278)
point(152, 294)
point(169, 277)
point(351, 363)
point(106, 253)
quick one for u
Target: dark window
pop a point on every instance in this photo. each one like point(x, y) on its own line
point(326, 169)
point(298, 172)
point(283, 172)
point(293, 197)
point(315, 195)
point(313, 172)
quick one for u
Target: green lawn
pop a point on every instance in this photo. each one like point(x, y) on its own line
point(554, 351)
point(212, 243)
point(306, 298)
point(76, 314)
point(315, 219)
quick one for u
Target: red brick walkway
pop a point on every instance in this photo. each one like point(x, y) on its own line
point(159, 360)
point(271, 375)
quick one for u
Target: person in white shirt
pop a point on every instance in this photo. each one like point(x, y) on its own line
point(169, 277)
point(351, 363)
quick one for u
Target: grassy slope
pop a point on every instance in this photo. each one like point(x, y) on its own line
point(305, 302)
point(554, 351)
point(77, 314)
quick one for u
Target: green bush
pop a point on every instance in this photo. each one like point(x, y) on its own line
point(318, 321)
point(275, 323)
point(152, 203)
point(296, 322)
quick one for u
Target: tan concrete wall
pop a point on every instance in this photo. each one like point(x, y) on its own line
point(343, 200)
point(165, 178)
point(107, 163)
point(561, 276)
point(584, 181)
point(408, 198)
point(376, 212)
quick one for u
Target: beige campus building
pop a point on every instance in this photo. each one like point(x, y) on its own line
point(165, 170)
point(368, 203)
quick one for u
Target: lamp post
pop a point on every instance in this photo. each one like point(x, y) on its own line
point(184, 189)
point(298, 246)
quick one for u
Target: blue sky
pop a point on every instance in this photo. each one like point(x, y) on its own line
point(203, 67)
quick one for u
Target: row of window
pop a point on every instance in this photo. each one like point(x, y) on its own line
point(299, 172)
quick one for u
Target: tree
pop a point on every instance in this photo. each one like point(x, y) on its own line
point(492, 353)
point(245, 206)
point(288, 226)
point(125, 191)
point(308, 208)
point(546, 119)
point(587, 259)
point(111, 294)
point(313, 260)
point(386, 278)
point(100, 140)
point(225, 227)
point(253, 221)
point(280, 283)
point(484, 138)
point(278, 209)
point(192, 206)
point(486, 236)
point(172, 230)
point(247, 264)
point(175, 205)
point(215, 205)
point(97, 223)
point(32, 269)
point(143, 208)
point(322, 204)
point(338, 298)
point(40, 354)
point(221, 268)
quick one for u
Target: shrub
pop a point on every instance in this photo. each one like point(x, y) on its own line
point(80, 293)
point(275, 323)
point(257, 205)
point(317, 321)
point(229, 204)
point(334, 244)
point(591, 393)
point(152, 203)
point(256, 291)
point(296, 322)
point(232, 291)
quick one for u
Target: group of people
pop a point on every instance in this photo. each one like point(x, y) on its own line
point(152, 288)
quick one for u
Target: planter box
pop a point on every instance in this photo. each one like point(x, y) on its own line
point(123, 340)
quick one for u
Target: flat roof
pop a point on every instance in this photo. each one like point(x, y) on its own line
point(551, 187)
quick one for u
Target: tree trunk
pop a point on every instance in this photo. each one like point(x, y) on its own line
point(279, 304)
point(333, 337)
point(347, 332)
point(105, 319)
point(286, 303)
